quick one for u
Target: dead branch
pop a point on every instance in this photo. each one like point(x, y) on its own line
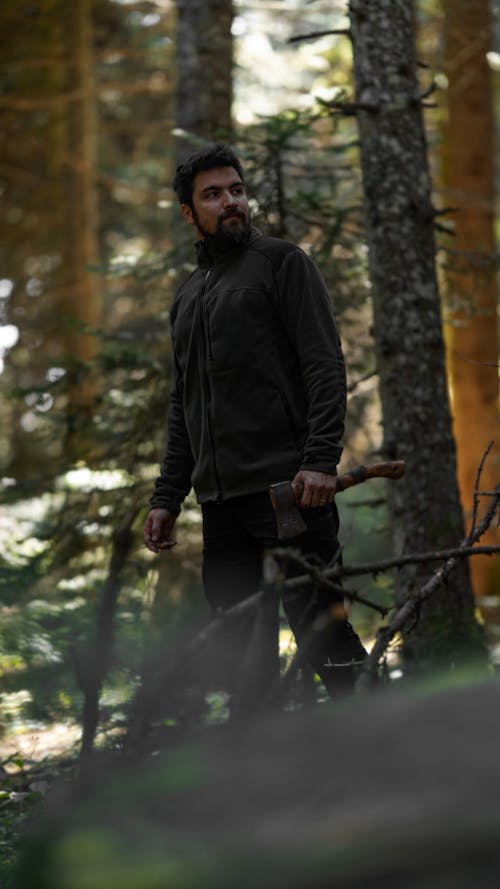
point(444, 211)
point(312, 35)
point(475, 502)
point(477, 363)
point(349, 109)
point(410, 607)
point(319, 577)
point(419, 100)
point(367, 376)
point(411, 559)
point(444, 229)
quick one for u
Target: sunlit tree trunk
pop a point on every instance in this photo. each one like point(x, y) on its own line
point(48, 167)
point(471, 293)
point(425, 505)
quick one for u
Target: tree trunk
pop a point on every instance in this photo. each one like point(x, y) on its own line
point(31, 225)
point(469, 185)
point(203, 100)
point(425, 505)
point(204, 68)
point(48, 165)
point(80, 297)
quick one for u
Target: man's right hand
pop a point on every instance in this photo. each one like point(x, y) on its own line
point(158, 530)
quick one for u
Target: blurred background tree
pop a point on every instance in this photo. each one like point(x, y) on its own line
point(468, 185)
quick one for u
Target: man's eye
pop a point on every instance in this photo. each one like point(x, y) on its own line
point(237, 190)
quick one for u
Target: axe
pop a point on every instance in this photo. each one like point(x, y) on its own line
point(288, 518)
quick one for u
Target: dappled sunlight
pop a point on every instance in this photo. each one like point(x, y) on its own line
point(85, 479)
point(57, 739)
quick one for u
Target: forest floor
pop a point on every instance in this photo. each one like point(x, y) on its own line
point(31, 762)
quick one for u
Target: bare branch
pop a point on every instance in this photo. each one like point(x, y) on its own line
point(445, 229)
point(312, 35)
point(367, 376)
point(428, 92)
point(411, 559)
point(410, 606)
point(445, 210)
point(349, 109)
point(318, 576)
point(475, 502)
point(477, 363)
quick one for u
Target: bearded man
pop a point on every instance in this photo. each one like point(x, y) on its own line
point(258, 397)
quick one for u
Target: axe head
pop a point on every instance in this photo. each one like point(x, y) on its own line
point(289, 521)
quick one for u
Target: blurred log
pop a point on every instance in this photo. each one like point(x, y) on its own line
point(388, 790)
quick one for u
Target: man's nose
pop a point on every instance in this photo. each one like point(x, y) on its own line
point(229, 199)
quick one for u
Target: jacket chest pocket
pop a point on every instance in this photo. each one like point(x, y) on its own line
point(237, 326)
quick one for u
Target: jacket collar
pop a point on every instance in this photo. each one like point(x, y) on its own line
point(210, 251)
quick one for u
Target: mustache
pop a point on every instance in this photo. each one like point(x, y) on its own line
point(229, 213)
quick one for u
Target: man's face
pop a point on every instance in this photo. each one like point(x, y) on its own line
point(220, 206)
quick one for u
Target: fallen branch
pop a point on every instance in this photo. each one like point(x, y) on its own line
point(319, 577)
point(410, 559)
point(408, 609)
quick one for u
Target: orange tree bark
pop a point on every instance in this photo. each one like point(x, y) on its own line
point(425, 505)
point(469, 185)
point(48, 233)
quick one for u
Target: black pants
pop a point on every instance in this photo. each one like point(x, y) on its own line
point(235, 534)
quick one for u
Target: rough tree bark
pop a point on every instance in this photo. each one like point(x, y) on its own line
point(469, 186)
point(425, 505)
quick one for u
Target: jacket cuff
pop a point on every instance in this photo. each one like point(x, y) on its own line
point(159, 502)
point(329, 468)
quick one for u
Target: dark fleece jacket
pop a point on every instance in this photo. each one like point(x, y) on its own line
point(259, 380)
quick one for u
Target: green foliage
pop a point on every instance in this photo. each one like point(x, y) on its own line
point(18, 804)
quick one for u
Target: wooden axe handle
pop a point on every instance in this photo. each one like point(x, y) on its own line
point(390, 469)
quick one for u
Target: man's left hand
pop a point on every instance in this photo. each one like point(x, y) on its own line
point(314, 488)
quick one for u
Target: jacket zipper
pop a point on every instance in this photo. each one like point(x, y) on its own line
point(206, 384)
point(209, 339)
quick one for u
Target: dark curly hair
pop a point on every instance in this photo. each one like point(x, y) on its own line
point(216, 155)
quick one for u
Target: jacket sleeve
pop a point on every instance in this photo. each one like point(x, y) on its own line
point(305, 307)
point(174, 481)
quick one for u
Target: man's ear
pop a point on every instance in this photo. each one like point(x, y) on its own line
point(187, 212)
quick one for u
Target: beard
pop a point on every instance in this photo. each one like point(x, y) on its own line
point(228, 234)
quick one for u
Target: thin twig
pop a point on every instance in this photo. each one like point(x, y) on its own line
point(476, 363)
point(349, 109)
point(346, 32)
point(411, 559)
point(428, 92)
point(367, 376)
point(475, 505)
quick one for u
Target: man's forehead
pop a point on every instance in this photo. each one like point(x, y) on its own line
point(216, 178)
